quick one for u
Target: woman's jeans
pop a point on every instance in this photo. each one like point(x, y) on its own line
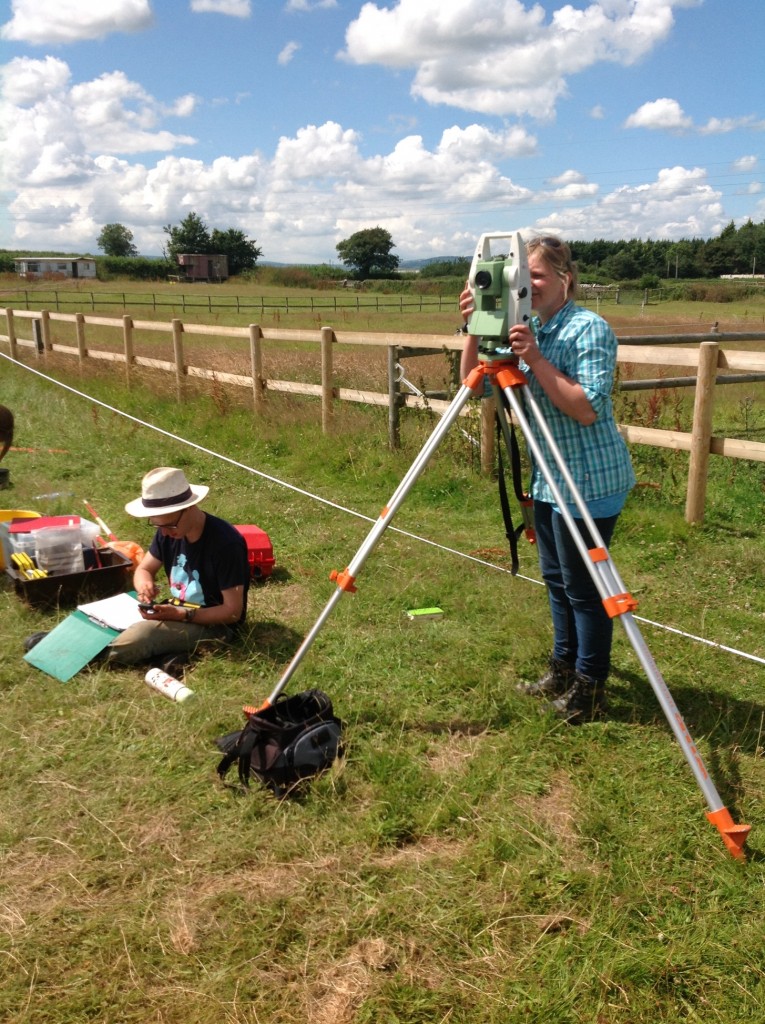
point(583, 630)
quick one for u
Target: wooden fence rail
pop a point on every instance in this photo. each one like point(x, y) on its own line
point(710, 365)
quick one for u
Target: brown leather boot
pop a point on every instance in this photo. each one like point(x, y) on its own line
point(558, 678)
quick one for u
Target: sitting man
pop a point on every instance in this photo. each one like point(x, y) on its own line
point(205, 560)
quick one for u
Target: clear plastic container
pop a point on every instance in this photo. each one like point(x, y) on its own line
point(10, 543)
point(15, 544)
point(58, 549)
point(88, 532)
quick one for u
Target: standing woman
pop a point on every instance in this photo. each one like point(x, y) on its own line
point(568, 355)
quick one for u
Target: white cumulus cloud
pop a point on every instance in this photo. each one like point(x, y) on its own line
point(309, 5)
point(745, 164)
point(288, 52)
point(55, 129)
point(667, 115)
point(664, 114)
point(499, 56)
point(70, 21)
point(719, 125)
point(571, 186)
point(26, 81)
point(232, 8)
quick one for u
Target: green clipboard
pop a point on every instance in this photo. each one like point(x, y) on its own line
point(70, 646)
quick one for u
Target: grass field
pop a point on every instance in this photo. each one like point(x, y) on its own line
point(470, 860)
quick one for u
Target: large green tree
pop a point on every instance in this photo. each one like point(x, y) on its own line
point(241, 251)
point(116, 240)
point(191, 235)
point(367, 251)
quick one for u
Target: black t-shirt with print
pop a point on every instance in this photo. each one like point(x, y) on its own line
point(199, 571)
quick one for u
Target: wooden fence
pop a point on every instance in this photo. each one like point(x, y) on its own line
point(700, 353)
point(354, 299)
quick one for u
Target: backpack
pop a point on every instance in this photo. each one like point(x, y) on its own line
point(293, 739)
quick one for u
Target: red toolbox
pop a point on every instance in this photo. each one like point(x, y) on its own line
point(260, 552)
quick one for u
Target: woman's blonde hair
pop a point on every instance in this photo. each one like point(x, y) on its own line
point(557, 256)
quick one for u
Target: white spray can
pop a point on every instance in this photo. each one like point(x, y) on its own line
point(166, 685)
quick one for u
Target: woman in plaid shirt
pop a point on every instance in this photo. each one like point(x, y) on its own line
point(568, 355)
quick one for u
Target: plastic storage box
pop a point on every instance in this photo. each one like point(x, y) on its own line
point(260, 552)
point(112, 576)
point(17, 534)
point(18, 531)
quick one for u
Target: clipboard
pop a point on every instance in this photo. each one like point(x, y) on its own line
point(68, 648)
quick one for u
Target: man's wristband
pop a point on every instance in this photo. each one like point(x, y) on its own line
point(190, 613)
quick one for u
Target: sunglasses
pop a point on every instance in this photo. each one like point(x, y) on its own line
point(167, 526)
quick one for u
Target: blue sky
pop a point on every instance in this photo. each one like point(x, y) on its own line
point(302, 121)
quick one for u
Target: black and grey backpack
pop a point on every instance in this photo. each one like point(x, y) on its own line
point(293, 739)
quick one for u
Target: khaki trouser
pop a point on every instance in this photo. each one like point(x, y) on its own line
point(146, 641)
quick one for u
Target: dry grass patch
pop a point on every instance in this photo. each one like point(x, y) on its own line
point(556, 812)
point(345, 985)
point(453, 753)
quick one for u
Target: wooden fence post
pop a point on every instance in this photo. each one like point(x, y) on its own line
point(701, 433)
point(12, 334)
point(79, 326)
point(327, 383)
point(256, 368)
point(487, 407)
point(37, 337)
point(127, 343)
point(180, 368)
point(394, 399)
point(45, 328)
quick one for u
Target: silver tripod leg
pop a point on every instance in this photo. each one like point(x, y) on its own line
point(605, 576)
point(345, 580)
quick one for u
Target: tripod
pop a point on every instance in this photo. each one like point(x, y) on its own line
point(506, 378)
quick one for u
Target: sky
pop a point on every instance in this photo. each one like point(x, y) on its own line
point(300, 122)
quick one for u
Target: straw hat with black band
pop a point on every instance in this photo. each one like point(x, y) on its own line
point(165, 490)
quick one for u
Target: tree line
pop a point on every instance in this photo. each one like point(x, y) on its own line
point(367, 254)
point(735, 251)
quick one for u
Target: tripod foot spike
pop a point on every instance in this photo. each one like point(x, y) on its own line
point(733, 835)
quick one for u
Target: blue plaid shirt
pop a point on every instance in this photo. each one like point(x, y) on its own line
point(582, 345)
